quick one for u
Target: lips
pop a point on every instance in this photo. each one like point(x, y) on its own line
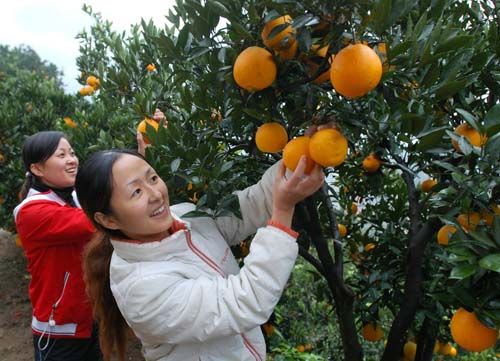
point(71, 170)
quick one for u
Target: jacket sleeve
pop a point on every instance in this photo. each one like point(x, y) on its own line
point(45, 224)
point(196, 310)
point(256, 205)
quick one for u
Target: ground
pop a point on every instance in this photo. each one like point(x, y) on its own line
point(15, 313)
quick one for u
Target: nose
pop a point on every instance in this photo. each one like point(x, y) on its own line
point(154, 194)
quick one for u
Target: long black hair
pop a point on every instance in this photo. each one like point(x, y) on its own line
point(94, 187)
point(37, 148)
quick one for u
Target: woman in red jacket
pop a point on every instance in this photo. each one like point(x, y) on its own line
point(54, 231)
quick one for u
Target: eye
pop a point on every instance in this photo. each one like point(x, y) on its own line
point(136, 192)
point(154, 178)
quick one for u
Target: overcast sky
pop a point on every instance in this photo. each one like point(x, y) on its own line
point(50, 26)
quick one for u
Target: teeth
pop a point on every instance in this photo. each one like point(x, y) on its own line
point(158, 211)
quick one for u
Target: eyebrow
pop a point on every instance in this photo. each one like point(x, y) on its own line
point(137, 179)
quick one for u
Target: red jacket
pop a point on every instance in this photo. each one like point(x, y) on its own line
point(53, 235)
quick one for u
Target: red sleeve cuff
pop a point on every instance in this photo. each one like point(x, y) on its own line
point(283, 228)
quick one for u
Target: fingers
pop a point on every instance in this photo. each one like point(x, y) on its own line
point(311, 130)
point(141, 144)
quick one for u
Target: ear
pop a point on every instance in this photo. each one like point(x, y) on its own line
point(36, 169)
point(106, 221)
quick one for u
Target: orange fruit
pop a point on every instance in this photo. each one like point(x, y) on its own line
point(342, 230)
point(444, 234)
point(294, 150)
point(268, 329)
point(469, 333)
point(354, 208)
point(445, 348)
point(281, 40)
point(469, 221)
point(371, 163)
point(93, 82)
point(150, 67)
point(471, 134)
point(86, 90)
point(355, 70)
point(487, 217)
point(288, 53)
point(301, 348)
point(271, 137)
point(369, 247)
point(452, 352)
point(428, 184)
point(372, 333)
point(410, 350)
point(69, 122)
point(142, 128)
point(328, 147)
point(254, 69)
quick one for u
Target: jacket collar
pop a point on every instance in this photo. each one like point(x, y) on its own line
point(136, 251)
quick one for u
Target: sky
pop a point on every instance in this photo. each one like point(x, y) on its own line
point(50, 26)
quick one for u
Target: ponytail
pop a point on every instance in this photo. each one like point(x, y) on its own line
point(25, 188)
point(113, 328)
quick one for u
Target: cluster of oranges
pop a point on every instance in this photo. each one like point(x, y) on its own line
point(326, 147)
point(353, 72)
point(93, 83)
point(466, 330)
point(468, 222)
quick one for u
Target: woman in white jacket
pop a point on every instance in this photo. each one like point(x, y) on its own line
point(174, 281)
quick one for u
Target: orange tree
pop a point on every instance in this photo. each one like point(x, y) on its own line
point(219, 72)
point(31, 100)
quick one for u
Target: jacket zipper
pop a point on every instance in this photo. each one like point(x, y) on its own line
point(216, 267)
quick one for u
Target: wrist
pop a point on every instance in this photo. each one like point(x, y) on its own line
point(282, 216)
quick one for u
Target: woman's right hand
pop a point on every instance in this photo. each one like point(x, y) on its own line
point(287, 192)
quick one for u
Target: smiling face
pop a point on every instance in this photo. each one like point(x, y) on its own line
point(59, 170)
point(139, 201)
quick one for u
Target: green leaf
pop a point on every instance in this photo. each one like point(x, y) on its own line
point(456, 43)
point(449, 88)
point(482, 238)
point(491, 262)
point(492, 120)
point(304, 20)
point(463, 271)
point(412, 123)
point(430, 139)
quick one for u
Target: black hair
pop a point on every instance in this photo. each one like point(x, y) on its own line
point(94, 187)
point(37, 148)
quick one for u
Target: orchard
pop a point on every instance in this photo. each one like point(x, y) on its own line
point(397, 100)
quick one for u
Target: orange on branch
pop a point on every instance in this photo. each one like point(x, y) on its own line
point(94, 82)
point(288, 53)
point(428, 184)
point(150, 67)
point(294, 150)
point(471, 134)
point(271, 137)
point(372, 333)
point(469, 333)
point(355, 70)
point(142, 128)
point(254, 69)
point(469, 221)
point(444, 234)
point(281, 40)
point(371, 163)
point(328, 147)
point(342, 230)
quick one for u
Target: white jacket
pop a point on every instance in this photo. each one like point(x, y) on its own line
point(185, 297)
